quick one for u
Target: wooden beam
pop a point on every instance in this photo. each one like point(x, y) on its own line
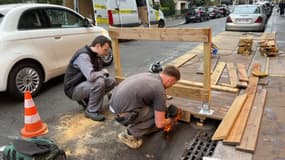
point(236, 132)
point(232, 114)
point(190, 92)
point(161, 34)
point(242, 73)
point(117, 57)
point(213, 86)
point(213, 66)
point(250, 136)
point(207, 67)
point(232, 74)
point(178, 62)
point(217, 72)
point(182, 90)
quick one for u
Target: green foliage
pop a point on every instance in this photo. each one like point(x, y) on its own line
point(167, 7)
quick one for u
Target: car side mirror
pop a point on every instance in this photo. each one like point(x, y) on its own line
point(88, 22)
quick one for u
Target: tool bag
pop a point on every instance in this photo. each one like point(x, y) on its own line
point(33, 149)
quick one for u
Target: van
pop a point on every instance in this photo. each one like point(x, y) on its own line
point(127, 13)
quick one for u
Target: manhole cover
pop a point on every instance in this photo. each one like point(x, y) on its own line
point(200, 146)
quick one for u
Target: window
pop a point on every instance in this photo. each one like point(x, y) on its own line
point(1, 17)
point(30, 20)
point(60, 18)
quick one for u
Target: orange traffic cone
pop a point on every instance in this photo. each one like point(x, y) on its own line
point(33, 124)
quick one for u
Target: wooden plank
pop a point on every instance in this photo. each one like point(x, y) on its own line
point(117, 57)
point(182, 90)
point(213, 86)
point(230, 117)
point(207, 67)
point(217, 72)
point(242, 72)
point(256, 70)
point(178, 62)
point(185, 116)
point(249, 139)
point(161, 34)
point(232, 74)
point(237, 130)
point(190, 92)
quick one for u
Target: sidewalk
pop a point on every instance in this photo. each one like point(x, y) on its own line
point(85, 139)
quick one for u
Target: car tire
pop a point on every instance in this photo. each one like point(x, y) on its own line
point(161, 23)
point(25, 76)
point(108, 59)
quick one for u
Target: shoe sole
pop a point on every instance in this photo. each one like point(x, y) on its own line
point(124, 140)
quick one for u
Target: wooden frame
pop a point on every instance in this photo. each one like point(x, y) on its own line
point(170, 34)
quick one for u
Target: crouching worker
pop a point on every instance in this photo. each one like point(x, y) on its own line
point(139, 103)
point(86, 81)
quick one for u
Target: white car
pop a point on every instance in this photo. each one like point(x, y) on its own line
point(36, 43)
point(248, 17)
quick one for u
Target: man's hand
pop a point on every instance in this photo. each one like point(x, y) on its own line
point(105, 72)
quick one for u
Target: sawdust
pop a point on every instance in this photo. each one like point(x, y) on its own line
point(73, 127)
point(83, 138)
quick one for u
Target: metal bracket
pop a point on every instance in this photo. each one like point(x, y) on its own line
point(206, 109)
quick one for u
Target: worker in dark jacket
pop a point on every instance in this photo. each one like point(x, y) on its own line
point(85, 79)
point(281, 7)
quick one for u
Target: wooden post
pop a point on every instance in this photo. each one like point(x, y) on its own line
point(117, 57)
point(207, 72)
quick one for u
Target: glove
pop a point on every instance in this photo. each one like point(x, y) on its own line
point(105, 72)
point(172, 111)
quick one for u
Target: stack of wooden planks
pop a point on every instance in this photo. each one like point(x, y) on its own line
point(241, 124)
point(245, 45)
point(267, 44)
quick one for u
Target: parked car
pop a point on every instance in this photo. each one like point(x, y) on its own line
point(267, 7)
point(196, 14)
point(224, 10)
point(213, 12)
point(36, 43)
point(246, 18)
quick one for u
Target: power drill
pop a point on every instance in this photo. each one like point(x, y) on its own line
point(174, 113)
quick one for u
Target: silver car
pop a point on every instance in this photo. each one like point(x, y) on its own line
point(246, 18)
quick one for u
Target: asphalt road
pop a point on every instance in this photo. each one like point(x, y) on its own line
point(136, 56)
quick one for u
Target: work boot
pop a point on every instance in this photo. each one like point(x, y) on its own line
point(94, 116)
point(130, 140)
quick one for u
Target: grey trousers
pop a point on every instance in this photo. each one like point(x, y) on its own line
point(95, 91)
point(144, 124)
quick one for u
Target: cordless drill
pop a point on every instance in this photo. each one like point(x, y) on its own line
point(174, 113)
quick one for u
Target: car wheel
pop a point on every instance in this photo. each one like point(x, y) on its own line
point(25, 77)
point(161, 23)
point(108, 59)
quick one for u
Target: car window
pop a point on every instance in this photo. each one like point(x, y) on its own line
point(60, 18)
point(30, 19)
point(1, 17)
point(246, 10)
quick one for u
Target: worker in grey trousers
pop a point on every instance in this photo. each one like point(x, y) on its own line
point(86, 80)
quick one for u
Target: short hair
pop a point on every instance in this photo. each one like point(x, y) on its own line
point(102, 40)
point(172, 71)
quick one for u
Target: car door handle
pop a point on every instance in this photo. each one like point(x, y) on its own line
point(57, 37)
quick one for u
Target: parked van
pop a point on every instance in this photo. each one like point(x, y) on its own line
point(127, 13)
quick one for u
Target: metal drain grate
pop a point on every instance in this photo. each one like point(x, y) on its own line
point(201, 146)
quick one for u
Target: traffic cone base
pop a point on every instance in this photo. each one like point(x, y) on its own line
point(33, 125)
point(29, 134)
